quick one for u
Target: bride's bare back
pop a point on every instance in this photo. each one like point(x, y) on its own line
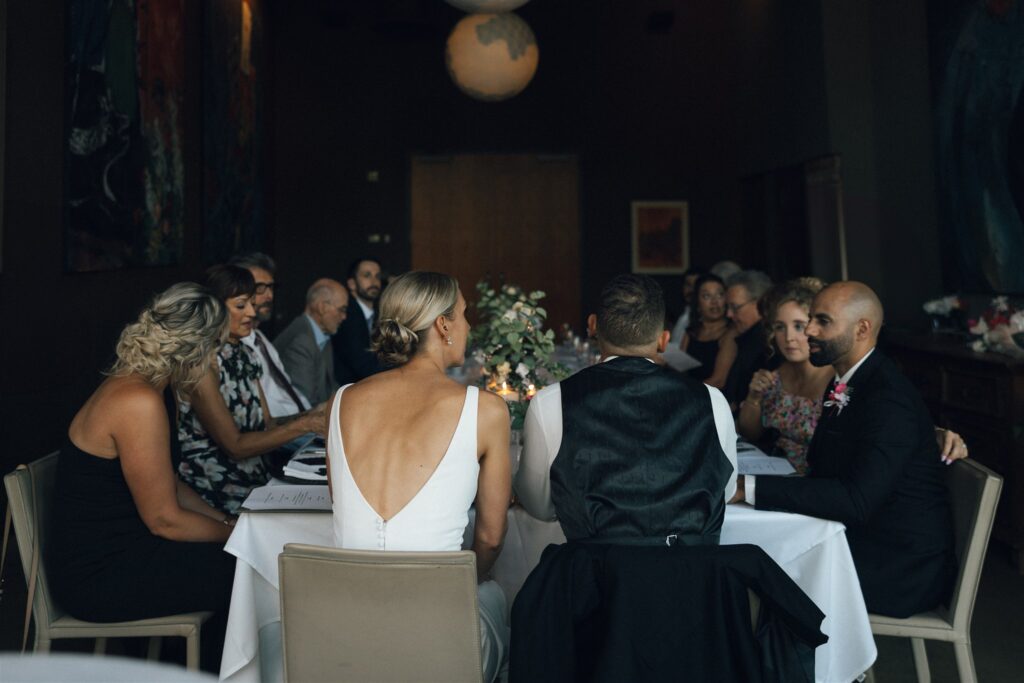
point(396, 427)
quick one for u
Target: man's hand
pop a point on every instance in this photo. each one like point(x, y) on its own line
point(740, 495)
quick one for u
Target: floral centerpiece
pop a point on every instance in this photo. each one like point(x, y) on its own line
point(512, 346)
point(1000, 328)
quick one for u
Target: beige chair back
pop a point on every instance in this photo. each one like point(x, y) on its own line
point(30, 495)
point(973, 491)
point(349, 615)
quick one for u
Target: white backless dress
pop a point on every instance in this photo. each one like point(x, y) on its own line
point(434, 520)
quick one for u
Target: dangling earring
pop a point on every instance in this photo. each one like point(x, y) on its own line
point(448, 341)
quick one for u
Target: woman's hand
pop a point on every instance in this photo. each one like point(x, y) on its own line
point(951, 445)
point(760, 383)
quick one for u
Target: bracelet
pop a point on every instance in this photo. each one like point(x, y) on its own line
point(229, 521)
point(755, 404)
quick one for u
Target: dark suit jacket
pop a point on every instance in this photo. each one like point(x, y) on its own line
point(875, 467)
point(751, 356)
point(310, 367)
point(597, 612)
point(353, 359)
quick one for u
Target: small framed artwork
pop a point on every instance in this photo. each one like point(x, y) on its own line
point(661, 237)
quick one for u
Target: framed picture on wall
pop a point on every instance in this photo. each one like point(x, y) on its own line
point(661, 237)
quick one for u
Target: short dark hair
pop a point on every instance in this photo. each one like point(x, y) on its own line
point(254, 259)
point(631, 312)
point(695, 302)
point(353, 267)
point(227, 281)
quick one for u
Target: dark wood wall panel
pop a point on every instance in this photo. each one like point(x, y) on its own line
point(514, 216)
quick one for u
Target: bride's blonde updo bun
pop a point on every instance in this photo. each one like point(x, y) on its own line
point(408, 308)
point(174, 337)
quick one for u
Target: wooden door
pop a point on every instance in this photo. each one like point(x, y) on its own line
point(513, 215)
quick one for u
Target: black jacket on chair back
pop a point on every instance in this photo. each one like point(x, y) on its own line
point(640, 456)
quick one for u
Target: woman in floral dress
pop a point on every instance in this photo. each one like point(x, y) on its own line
point(224, 426)
point(789, 400)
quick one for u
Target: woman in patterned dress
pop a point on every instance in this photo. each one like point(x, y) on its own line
point(225, 426)
point(789, 399)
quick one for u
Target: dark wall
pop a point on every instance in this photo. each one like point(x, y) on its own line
point(646, 111)
point(59, 328)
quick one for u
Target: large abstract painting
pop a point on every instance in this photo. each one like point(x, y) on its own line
point(233, 80)
point(977, 48)
point(124, 182)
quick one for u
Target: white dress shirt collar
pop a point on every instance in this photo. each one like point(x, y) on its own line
point(319, 335)
point(605, 360)
point(848, 375)
point(367, 310)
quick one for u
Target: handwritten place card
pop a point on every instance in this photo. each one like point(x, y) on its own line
point(289, 497)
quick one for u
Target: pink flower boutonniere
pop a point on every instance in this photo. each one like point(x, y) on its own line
point(839, 397)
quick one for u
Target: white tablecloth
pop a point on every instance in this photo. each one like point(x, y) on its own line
point(812, 551)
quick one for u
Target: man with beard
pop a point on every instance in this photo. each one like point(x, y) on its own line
point(874, 462)
point(353, 359)
point(282, 396)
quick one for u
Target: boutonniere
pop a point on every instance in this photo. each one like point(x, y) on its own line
point(839, 397)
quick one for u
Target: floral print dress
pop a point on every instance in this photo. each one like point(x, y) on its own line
point(222, 482)
point(795, 418)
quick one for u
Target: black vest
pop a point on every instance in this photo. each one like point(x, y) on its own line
point(640, 457)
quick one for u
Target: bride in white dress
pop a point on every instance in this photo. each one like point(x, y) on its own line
point(410, 450)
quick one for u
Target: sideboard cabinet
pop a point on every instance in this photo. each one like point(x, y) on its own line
point(981, 396)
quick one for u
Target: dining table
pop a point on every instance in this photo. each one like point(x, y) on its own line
point(813, 552)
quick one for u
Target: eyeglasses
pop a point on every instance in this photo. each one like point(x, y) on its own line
point(733, 308)
point(707, 296)
point(264, 287)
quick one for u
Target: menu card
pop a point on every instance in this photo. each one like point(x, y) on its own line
point(293, 497)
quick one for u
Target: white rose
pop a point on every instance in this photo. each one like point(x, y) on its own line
point(510, 315)
point(522, 370)
point(503, 370)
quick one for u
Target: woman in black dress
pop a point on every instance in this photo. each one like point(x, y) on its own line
point(711, 338)
point(129, 540)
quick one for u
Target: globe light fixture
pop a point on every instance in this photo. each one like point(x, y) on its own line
point(478, 6)
point(491, 57)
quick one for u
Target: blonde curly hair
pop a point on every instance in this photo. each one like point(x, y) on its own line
point(174, 337)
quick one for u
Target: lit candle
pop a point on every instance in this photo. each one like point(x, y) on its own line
point(507, 393)
point(531, 391)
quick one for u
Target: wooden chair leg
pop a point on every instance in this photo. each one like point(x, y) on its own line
point(42, 644)
point(965, 662)
point(154, 648)
point(192, 651)
point(101, 646)
point(924, 674)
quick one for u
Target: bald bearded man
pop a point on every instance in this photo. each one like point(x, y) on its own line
point(874, 462)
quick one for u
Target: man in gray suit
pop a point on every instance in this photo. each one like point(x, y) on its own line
point(305, 345)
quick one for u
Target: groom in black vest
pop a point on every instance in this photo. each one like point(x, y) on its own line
point(874, 462)
point(629, 451)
